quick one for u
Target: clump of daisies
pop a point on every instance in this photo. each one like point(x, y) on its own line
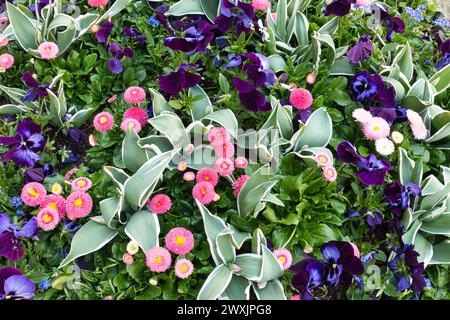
point(324, 161)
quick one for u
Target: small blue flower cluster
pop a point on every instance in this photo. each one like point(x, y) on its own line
point(443, 23)
point(416, 14)
point(153, 22)
point(44, 285)
point(17, 202)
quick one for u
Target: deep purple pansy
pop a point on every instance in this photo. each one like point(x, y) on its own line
point(103, 33)
point(38, 173)
point(394, 24)
point(14, 285)
point(25, 145)
point(174, 82)
point(339, 8)
point(10, 234)
point(241, 16)
point(399, 196)
point(308, 278)
point(195, 39)
point(361, 51)
point(128, 32)
point(34, 89)
point(115, 63)
point(370, 88)
point(372, 171)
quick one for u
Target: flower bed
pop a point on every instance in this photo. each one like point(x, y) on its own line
point(224, 149)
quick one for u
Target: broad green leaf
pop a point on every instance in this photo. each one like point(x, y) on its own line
point(342, 67)
point(238, 289)
point(428, 202)
point(226, 119)
point(441, 79)
point(56, 110)
point(330, 27)
point(404, 61)
point(133, 155)
point(170, 125)
point(224, 245)
point(301, 29)
point(398, 87)
point(143, 227)
point(202, 105)
point(24, 27)
point(91, 237)
point(258, 240)
point(316, 132)
point(66, 37)
point(159, 103)
point(406, 166)
point(116, 7)
point(250, 265)
point(441, 134)
point(282, 18)
point(216, 283)
point(185, 7)
point(410, 235)
point(210, 8)
point(441, 253)
point(13, 109)
point(110, 208)
point(271, 268)
point(277, 63)
point(273, 290)
point(118, 176)
point(238, 237)
point(440, 225)
point(424, 248)
point(80, 117)
point(202, 156)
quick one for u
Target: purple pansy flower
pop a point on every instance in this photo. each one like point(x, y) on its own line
point(195, 38)
point(174, 82)
point(399, 196)
point(10, 233)
point(308, 278)
point(34, 89)
point(339, 8)
point(361, 51)
point(374, 218)
point(394, 24)
point(242, 16)
point(25, 145)
point(103, 33)
point(366, 87)
point(115, 63)
point(14, 285)
point(128, 32)
point(372, 171)
point(444, 48)
point(38, 173)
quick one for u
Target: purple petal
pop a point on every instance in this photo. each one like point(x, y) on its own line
point(171, 83)
point(191, 79)
point(29, 80)
point(10, 247)
point(361, 51)
point(20, 287)
point(5, 223)
point(115, 66)
point(338, 8)
point(27, 127)
point(184, 45)
point(330, 252)
point(347, 153)
point(9, 140)
point(372, 178)
point(5, 273)
point(241, 86)
point(29, 229)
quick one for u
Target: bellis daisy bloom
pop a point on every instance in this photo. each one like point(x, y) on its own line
point(158, 259)
point(130, 123)
point(32, 193)
point(103, 121)
point(3, 40)
point(56, 188)
point(189, 176)
point(329, 173)
point(134, 95)
point(78, 205)
point(295, 297)
point(301, 98)
point(137, 113)
point(132, 247)
point(92, 141)
point(208, 175)
point(182, 166)
point(203, 192)
point(361, 115)
point(48, 50)
point(311, 78)
point(397, 137)
point(55, 202)
point(322, 159)
point(180, 241)
point(225, 150)
point(417, 125)
point(362, 3)
point(6, 61)
point(384, 146)
point(376, 128)
point(284, 256)
point(262, 5)
point(127, 258)
point(47, 219)
point(224, 166)
point(238, 184)
point(218, 136)
point(183, 268)
point(97, 3)
point(241, 163)
point(160, 203)
point(81, 184)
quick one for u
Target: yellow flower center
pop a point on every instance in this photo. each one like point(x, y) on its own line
point(158, 260)
point(52, 205)
point(334, 266)
point(81, 183)
point(322, 159)
point(47, 218)
point(134, 92)
point(180, 240)
point(103, 120)
point(376, 128)
point(203, 192)
point(133, 247)
point(33, 193)
point(183, 268)
point(78, 202)
point(56, 188)
point(282, 259)
point(330, 172)
point(224, 165)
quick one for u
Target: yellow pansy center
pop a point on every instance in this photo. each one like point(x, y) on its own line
point(334, 266)
point(180, 240)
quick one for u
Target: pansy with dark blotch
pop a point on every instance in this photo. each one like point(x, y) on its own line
point(444, 48)
point(14, 285)
point(24, 145)
point(361, 51)
point(196, 38)
point(34, 89)
point(128, 32)
point(115, 63)
point(399, 196)
point(370, 88)
point(10, 234)
point(372, 170)
point(38, 173)
point(241, 16)
point(308, 278)
point(408, 272)
point(393, 24)
point(339, 8)
point(103, 33)
point(174, 82)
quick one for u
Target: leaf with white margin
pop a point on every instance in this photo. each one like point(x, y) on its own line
point(441, 80)
point(80, 117)
point(226, 119)
point(250, 265)
point(159, 103)
point(201, 106)
point(424, 248)
point(440, 225)
point(91, 237)
point(116, 7)
point(143, 228)
point(238, 237)
point(406, 166)
point(441, 253)
point(216, 283)
point(110, 208)
point(224, 245)
point(24, 27)
point(258, 239)
point(13, 109)
point(184, 7)
point(316, 132)
point(170, 125)
point(118, 176)
point(133, 155)
point(273, 290)
point(238, 289)
point(271, 267)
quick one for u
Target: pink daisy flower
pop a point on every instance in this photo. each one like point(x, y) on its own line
point(92, 141)
point(262, 5)
point(132, 247)
point(301, 98)
point(238, 184)
point(3, 40)
point(160, 203)
point(322, 159)
point(182, 166)
point(6, 61)
point(376, 128)
point(32, 193)
point(48, 50)
point(225, 150)
point(47, 219)
point(55, 202)
point(361, 115)
point(362, 3)
point(224, 166)
point(112, 99)
point(216, 197)
point(134, 95)
point(296, 297)
point(189, 176)
point(203, 192)
point(158, 259)
point(97, 3)
point(417, 125)
point(103, 121)
point(56, 188)
point(137, 113)
point(218, 136)
point(127, 258)
point(183, 268)
point(208, 175)
point(3, 20)
point(180, 241)
point(78, 205)
point(284, 256)
point(329, 173)
point(130, 123)
point(241, 163)
point(311, 78)
point(81, 184)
